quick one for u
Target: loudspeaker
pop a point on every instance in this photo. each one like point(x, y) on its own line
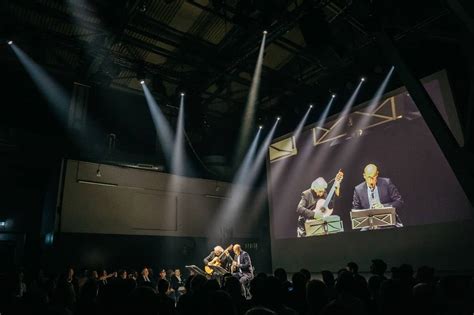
point(78, 107)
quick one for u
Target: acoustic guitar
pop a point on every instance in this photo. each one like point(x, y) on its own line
point(216, 261)
point(321, 209)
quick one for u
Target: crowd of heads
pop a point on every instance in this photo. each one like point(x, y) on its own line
point(398, 290)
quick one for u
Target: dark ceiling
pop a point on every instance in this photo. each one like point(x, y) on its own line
point(208, 49)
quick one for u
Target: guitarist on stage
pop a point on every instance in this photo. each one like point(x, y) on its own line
point(213, 258)
point(310, 206)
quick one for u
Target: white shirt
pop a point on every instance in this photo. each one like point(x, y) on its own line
point(238, 263)
point(374, 197)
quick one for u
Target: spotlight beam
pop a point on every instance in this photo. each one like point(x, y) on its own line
point(308, 151)
point(163, 129)
point(353, 144)
point(280, 166)
point(251, 102)
point(244, 180)
point(52, 91)
point(339, 124)
point(260, 157)
point(300, 126)
point(178, 162)
point(58, 100)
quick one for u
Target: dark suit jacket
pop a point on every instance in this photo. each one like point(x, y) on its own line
point(141, 282)
point(388, 194)
point(175, 283)
point(245, 262)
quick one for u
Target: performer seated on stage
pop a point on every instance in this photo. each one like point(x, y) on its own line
point(377, 192)
point(225, 261)
point(307, 210)
point(242, 265)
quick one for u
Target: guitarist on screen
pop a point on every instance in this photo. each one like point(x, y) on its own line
point(316, 202)
point(219, 257)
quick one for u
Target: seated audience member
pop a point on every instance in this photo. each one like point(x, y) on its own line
point(220, 302)
point(177, 284)
point(346, 302)
point(233, 287)
point(377, 269)
point(361, 291)
point(297, 296)
point(165, 303)
point(282, 276)
point(316, 296)
point(142, 301)
point(330, 282)
point(306, 273)
point(144, 279)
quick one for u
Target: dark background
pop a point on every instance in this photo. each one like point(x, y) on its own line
point(404, 150)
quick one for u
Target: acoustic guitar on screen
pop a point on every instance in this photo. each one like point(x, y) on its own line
point(321, 207)
point(216, 261)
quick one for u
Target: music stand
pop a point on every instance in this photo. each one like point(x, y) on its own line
point(218, 270)
point(196, 270)
point(371, 219)
point(327, 225)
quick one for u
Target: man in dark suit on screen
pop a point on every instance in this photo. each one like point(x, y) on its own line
point(377, 192)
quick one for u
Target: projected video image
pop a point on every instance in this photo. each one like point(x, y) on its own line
point(377, 168)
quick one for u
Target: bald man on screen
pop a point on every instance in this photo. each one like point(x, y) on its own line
point(376, 192)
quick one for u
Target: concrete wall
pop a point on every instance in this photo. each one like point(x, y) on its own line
point(131, 201)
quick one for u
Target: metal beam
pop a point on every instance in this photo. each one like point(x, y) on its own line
point(129, 11)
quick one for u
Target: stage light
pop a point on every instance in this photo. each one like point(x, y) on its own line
point(362, 79)
point(10, 42)
point(3, 223)
point(260, 127)
point(182, 93)
point(265, 32)
point(333, 96)
point(310, 105)
point(142, 82)
point(278, 118)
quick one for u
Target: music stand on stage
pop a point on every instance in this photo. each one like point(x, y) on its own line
point(324, 226)
point(218, 270)
point(371, 219)
point(196, 270)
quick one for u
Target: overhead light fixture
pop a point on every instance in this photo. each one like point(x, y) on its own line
point(89, 182)
point(216, 197)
